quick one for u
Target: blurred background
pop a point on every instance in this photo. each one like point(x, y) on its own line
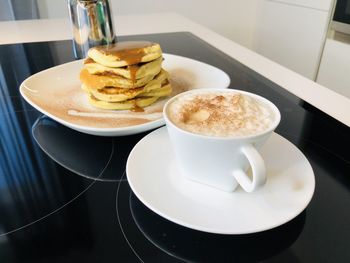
point(298, 34)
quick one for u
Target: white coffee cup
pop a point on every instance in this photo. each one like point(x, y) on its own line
point(220, 160)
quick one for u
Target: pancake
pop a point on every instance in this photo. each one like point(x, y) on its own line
point(126, 53)
point(130, 72)
point(99, 82)
point(115, 94)
point(131, 104)
point(112, 94)
point(125, 76)
point(163, 91)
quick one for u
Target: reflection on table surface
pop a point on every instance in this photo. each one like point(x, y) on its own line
point(195, 246)
point(64, 197)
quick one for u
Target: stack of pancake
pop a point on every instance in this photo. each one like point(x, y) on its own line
point(125, 75)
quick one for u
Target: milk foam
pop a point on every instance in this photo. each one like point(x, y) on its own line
point(224, 114)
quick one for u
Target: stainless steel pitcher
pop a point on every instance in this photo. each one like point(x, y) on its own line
point(91, 24)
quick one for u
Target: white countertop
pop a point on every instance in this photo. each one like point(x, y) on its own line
point(319, 96)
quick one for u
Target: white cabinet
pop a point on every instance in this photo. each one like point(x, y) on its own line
point(334, 72)
point(292, 33)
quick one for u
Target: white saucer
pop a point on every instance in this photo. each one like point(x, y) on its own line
point(154, 178)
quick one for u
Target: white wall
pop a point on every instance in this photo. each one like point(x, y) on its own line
point(234, 19)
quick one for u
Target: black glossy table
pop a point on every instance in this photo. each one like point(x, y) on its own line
point(64, 196)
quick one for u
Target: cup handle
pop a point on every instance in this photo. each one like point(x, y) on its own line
point(258, 168)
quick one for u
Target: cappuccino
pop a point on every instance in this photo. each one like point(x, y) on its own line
point(222, 113)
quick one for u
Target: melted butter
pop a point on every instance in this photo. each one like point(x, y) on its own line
point(88, 60)
point(133, 70)
point(129, 51)
point(136, 108)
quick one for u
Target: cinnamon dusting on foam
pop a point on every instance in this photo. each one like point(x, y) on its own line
point(224, 114)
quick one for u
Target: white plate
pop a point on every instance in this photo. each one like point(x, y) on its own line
point(154, 178)
point(56, 93)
